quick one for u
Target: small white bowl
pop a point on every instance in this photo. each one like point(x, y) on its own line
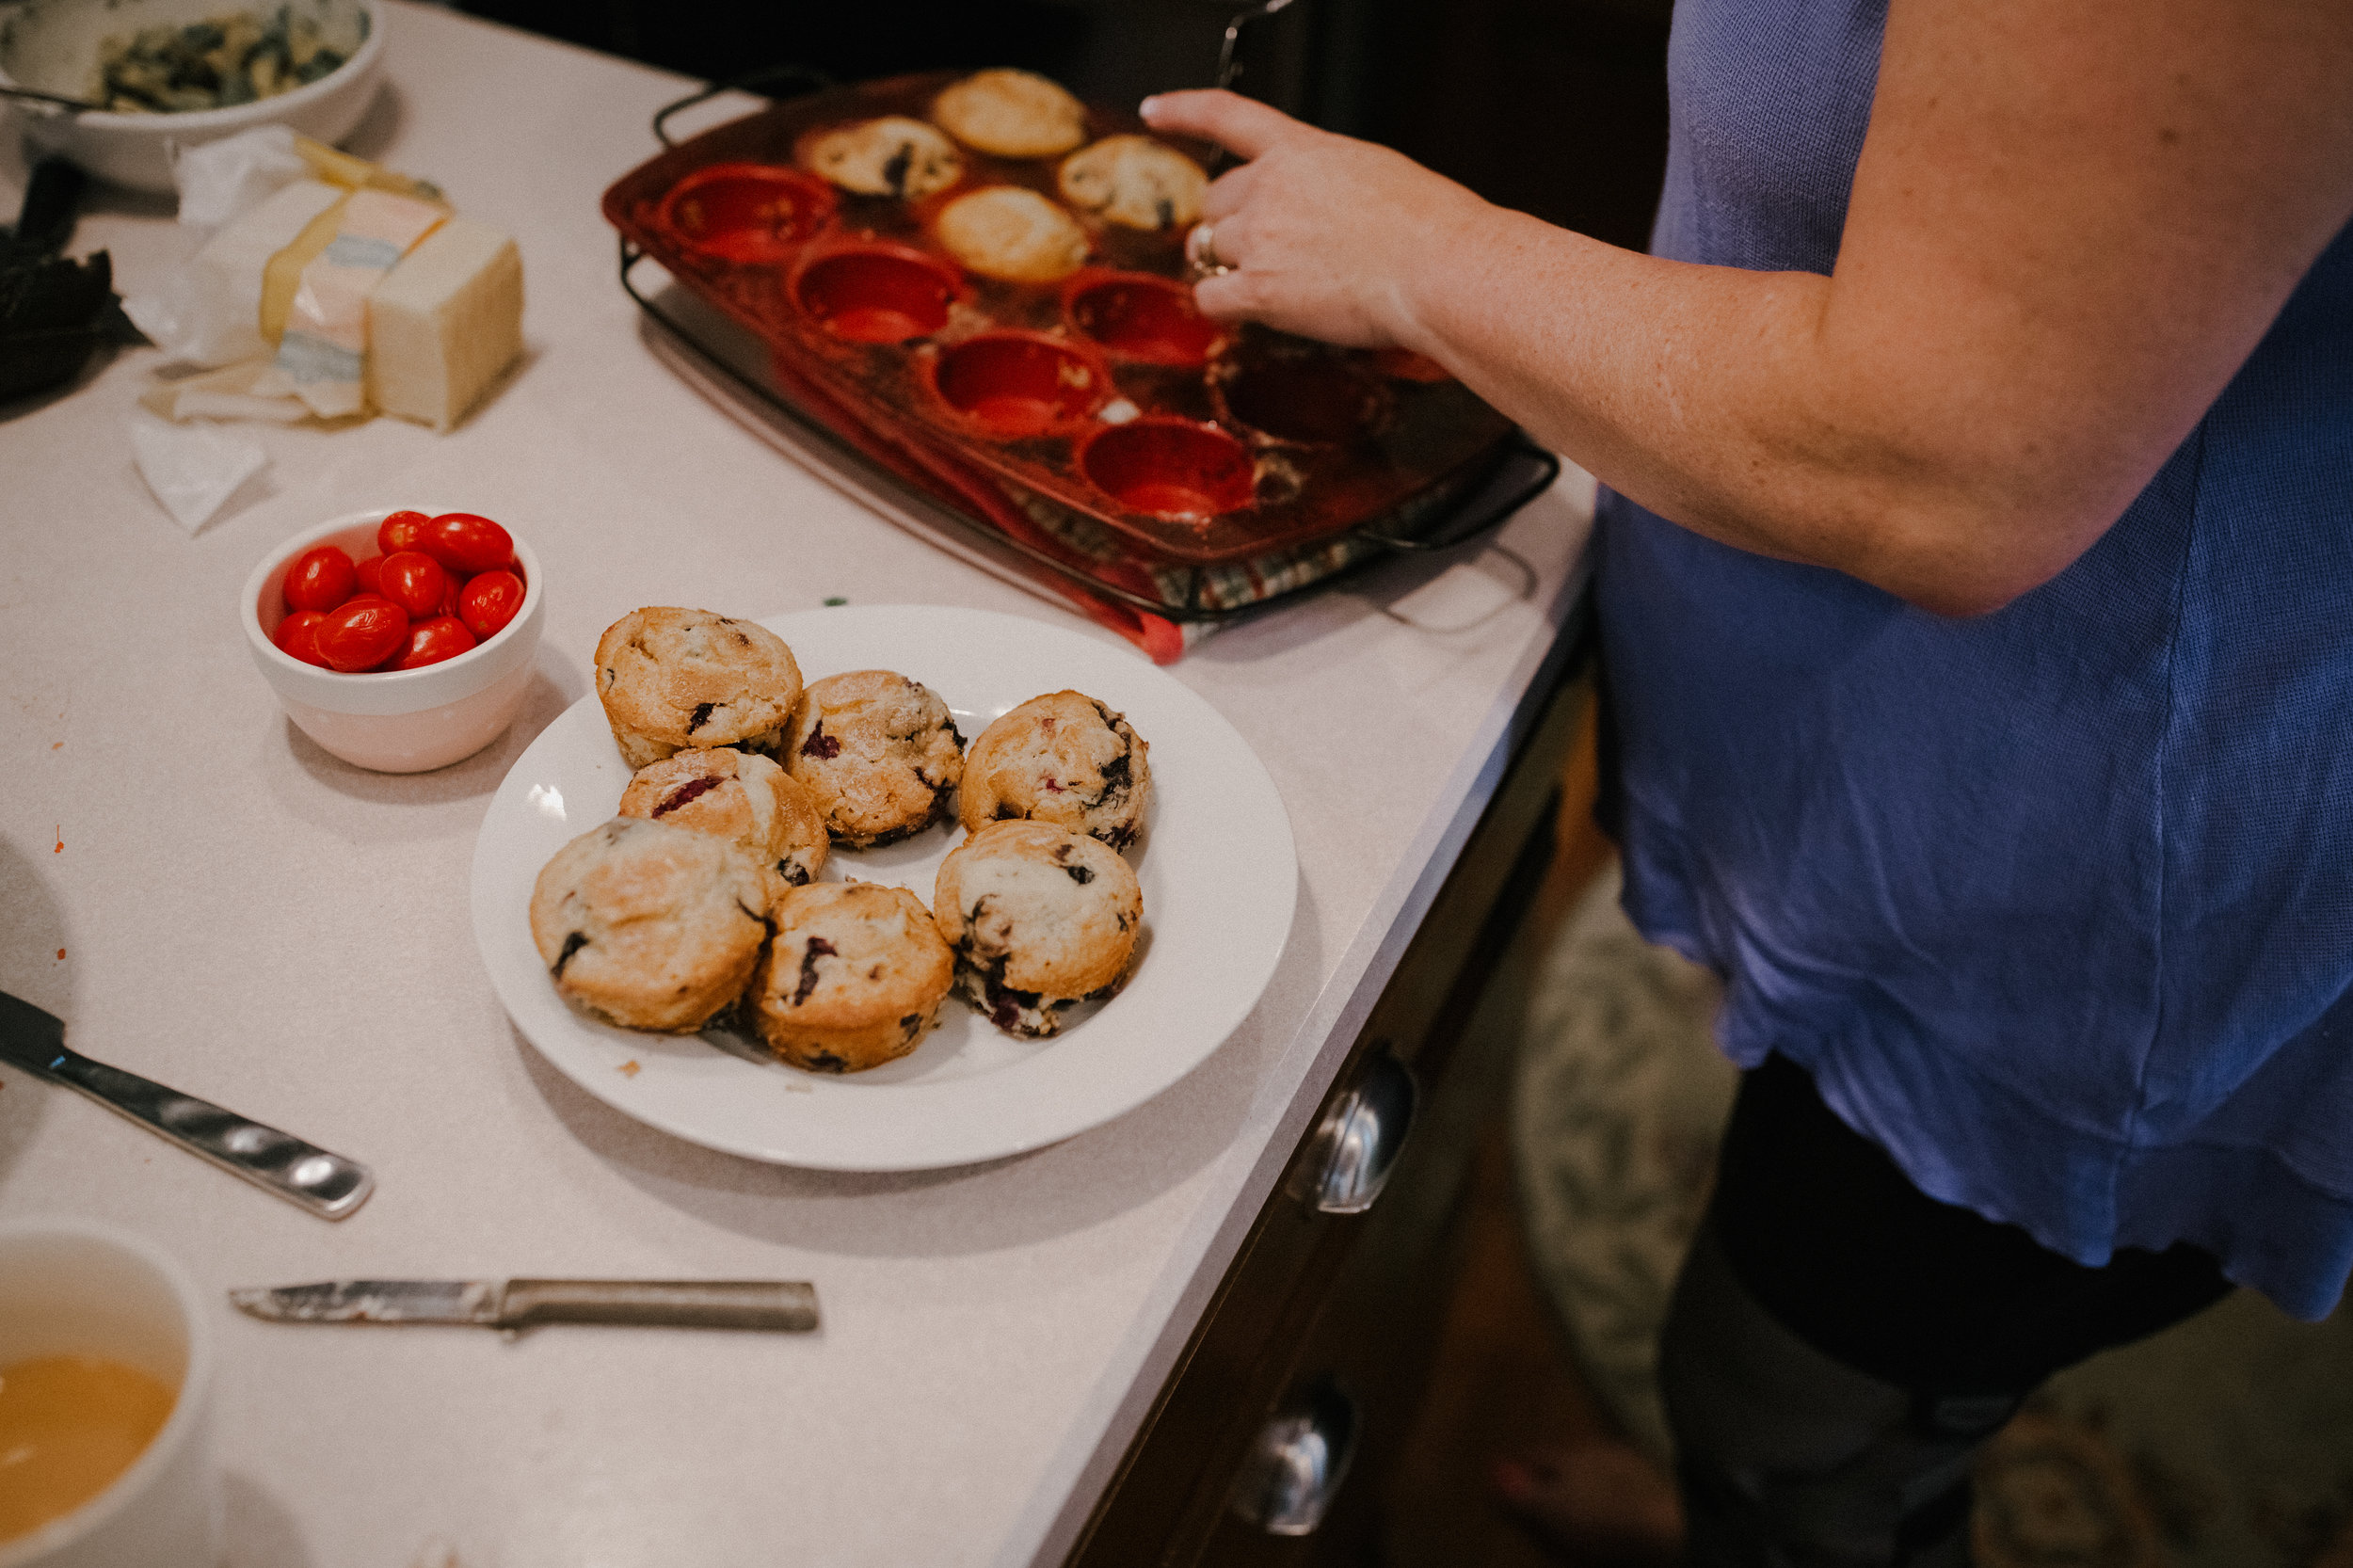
point(398, 721)
point(51, 46)
point(68, 1287)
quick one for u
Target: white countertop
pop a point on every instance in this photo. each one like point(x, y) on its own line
point(209, 900)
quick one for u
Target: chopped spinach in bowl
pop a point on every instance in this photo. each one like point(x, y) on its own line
point(214, 64)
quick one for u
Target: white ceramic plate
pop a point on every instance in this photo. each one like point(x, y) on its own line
point(1216, 862)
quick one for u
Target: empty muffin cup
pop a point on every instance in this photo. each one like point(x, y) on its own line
point(1306, 399)
point(746, 213)
point(1014, 384)
point(1138, 316)
point(877, 292)
point(1169, 468)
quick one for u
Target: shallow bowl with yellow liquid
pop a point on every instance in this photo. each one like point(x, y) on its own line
point(92, 1314)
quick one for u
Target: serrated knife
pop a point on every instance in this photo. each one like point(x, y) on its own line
point(323, 1182)
point(788, 1306)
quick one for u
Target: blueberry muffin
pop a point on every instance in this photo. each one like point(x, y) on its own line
point(1064, 759)
point(744, 798)
point(1134, 181)
point(649, 926)
point(1013, 233)
point(1038, 918)
point(878, 751)
point(890, 156)
point(1011, 114)
point(852, 979)
point(671, 679)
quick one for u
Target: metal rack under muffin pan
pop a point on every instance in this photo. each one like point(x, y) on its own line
point(1104, 392)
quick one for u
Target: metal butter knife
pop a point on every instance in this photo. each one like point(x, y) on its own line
point(786, 1305)
point(325, 1183)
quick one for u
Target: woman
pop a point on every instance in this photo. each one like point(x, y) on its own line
point(1977, 598)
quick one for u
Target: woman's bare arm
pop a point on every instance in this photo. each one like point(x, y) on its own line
point(2070, 226)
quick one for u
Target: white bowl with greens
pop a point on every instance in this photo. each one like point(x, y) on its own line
point(176, 73)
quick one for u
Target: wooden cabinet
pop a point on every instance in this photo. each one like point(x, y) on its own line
point(1310, 1360)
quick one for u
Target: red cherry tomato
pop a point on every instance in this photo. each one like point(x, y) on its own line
point(360, 633)
point(319, 579)
point(467, 543)
point(400, 531)
point(298, 636)
point(449, 596)
point(433, 641)
point(415, 582)
point(488, 603)
point(369, 574)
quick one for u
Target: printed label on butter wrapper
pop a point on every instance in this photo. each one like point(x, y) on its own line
point(324, 349)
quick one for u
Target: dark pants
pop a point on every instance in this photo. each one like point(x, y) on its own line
point(1841, 1344)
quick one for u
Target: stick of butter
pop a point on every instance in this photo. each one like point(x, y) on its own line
point(445, 324)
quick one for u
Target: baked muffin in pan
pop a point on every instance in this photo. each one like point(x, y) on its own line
point(671, 679)
point(1039, 918)
point(879, 752)
point(1013, 114)
point(744, 798)
point(1064, 759)
point(852, 979)
point(648, 925)
point(894, 155)
point(1135, 182)
point(1012, 233)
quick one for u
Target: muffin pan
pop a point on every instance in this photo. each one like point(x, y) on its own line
point(1104, 392)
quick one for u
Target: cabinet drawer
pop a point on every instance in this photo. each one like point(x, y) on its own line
point(1331, 1289)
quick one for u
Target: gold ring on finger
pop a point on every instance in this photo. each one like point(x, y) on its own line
point(1201, 252)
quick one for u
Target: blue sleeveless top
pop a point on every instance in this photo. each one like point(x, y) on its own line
point(2055, 903)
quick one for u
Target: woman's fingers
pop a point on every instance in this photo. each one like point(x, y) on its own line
point(1230, 297)
point(1233, 240)
point(1229, 192)
point(1242, 126)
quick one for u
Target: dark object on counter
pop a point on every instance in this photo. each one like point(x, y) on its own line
point(53, 314)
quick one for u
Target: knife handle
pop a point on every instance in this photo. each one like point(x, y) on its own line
point(789, 1306)
point(326, 1184)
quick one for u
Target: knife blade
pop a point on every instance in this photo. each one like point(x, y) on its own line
point(787, 1306)
point(326, 1183)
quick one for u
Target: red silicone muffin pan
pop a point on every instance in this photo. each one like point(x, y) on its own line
point(1105, 391)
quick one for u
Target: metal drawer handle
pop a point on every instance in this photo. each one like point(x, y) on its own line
point(1296, 1467)
point(1356, 1145)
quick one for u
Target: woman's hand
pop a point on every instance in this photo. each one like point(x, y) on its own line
point(1327, 237)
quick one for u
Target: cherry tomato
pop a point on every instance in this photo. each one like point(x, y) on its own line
point(298, 636)
point(415, 582)
point(400, 531)
point(449, 596)
point(488, 603)
point(370, 573)
point(363, 633)
point(319, 579)
point(433, 641)
point(467, 543)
